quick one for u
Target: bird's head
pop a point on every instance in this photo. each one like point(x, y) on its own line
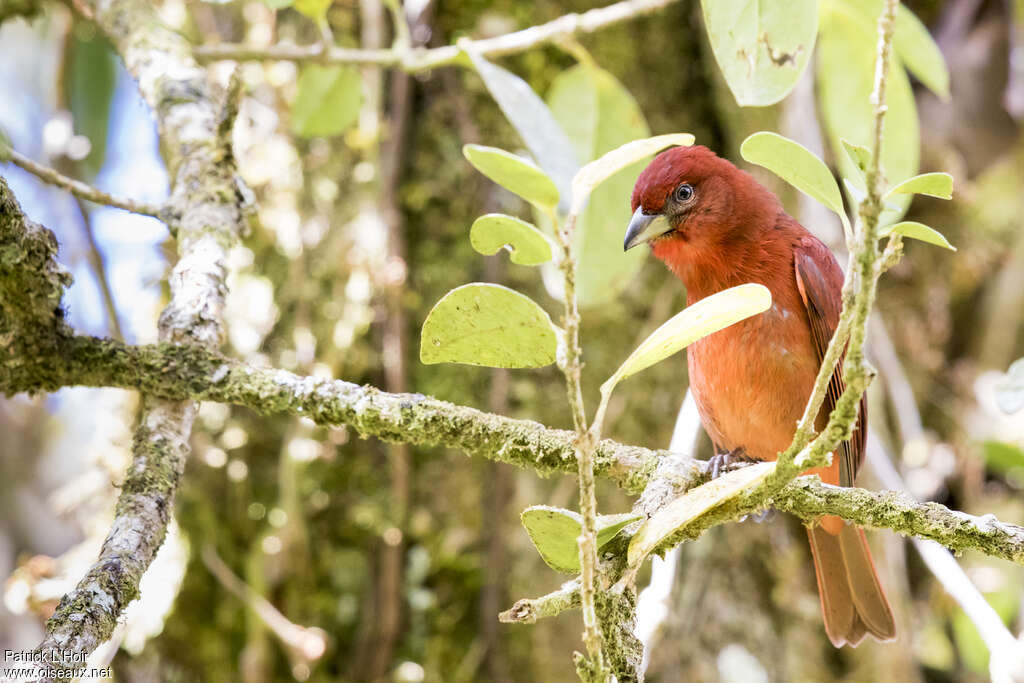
point(689, 204)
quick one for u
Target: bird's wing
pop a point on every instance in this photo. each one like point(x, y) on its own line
point(820, 281)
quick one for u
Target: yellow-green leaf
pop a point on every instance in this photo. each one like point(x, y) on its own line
point(859, 155)
point(762, 47)
point(490, 325)
point(314, 9)
point(845, 73)
point(610, 163)
point(691, 505)
point(527, 245)
point(917, 231)
point(705, 317)
point(554, 532)
point(328, 100)
point(917, 49)
point(516, 174)
point(795, 164)
point(599, 114)
point(932, 184)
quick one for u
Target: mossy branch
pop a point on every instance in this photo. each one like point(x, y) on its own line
point(208, 209)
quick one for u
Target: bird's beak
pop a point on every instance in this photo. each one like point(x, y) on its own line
point(644, 227)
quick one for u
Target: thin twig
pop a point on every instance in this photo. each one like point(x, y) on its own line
point(78, 188)
point(308, 642)
point(570, 364)
point(422, 59)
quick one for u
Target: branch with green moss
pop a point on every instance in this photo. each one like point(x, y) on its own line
point(208, 209)
point(421, 59)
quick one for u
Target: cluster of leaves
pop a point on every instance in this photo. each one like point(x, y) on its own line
point(764, 48)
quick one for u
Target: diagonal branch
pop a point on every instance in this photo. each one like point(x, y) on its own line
point(208, 209)
point(420, 59)
point(77, 187)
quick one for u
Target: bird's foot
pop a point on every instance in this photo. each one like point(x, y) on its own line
point(720, 463)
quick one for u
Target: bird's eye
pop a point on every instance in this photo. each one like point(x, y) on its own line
point(684, 193)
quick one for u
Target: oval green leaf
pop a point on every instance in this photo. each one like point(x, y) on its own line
point(610, 163)
point(487, 325)
point(917, 49)
point(599, 114)
point(708, 315)
point(795, 164)
point(314, 9)
point(845, 73)
point(527, 245)
point(691, 505)
point(554, 532)
point(932, 184)
point(490, 325)
point(532, 119)
point(516, 174)
point(328, 100)
point(761, 47)
point(917, 231)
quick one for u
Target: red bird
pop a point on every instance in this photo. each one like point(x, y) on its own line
point(715, 227)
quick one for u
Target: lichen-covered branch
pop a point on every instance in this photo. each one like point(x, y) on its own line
point(529, 610)
point(31, 286)
point(180, 372)
point(77, 187)
point(207, 207)
point(421, 59)
point(809, 499)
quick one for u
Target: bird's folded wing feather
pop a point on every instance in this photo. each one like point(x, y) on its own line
point(820, 281)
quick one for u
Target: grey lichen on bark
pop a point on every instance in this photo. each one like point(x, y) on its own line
point(208, 211)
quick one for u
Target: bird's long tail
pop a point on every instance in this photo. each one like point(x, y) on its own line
point(852, 601)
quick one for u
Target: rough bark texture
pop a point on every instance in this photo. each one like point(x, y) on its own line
point(207, 207)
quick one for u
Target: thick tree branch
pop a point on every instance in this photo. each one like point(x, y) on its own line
point(413, 60)
point(207, 206)
point(182, 372)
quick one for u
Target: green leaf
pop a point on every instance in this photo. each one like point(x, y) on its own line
point(489, 325)
point(859, 155)
point(314, 9)
point(328, 100)
point(1003, 457)
point(90, 69)
point(554, 532)
point(532, 119)
point(762, 47)
point(915, 47)
point(912, 42)
point(514, 173)
point(278, 4)
point(528, 245)
point(1010, 390)
point(795, 164)
point(705, 317)
point(599, 170)
point(690, 506)
point(917, 231)
point(599, 115)
point(932, 184)
point(845, 73)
